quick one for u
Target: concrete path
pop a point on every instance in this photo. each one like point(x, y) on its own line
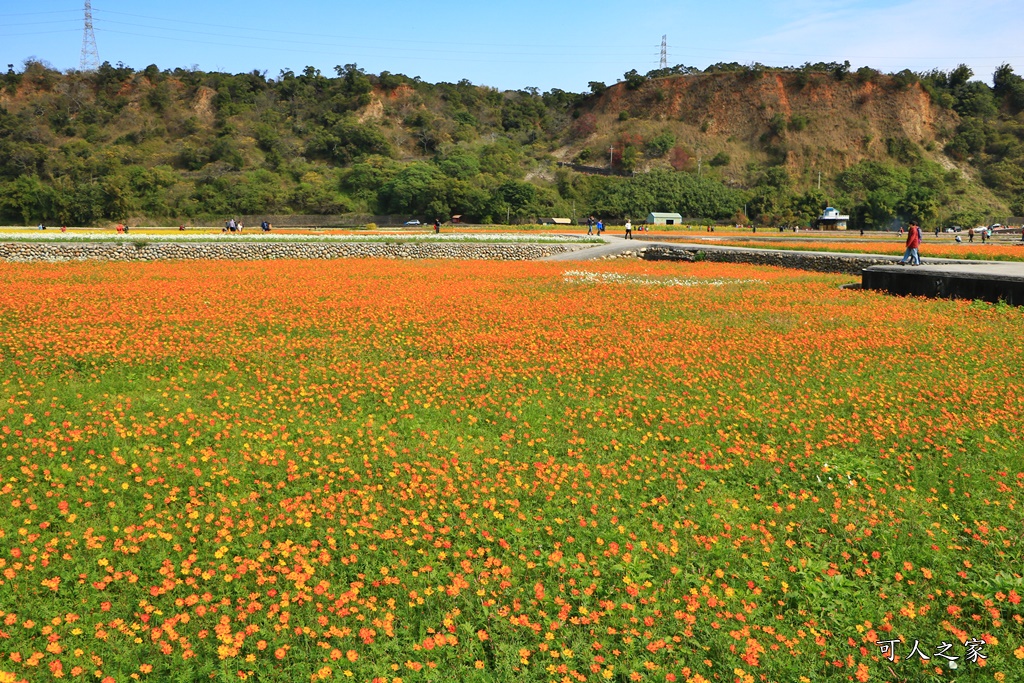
point(615, 244)
point(612, 245)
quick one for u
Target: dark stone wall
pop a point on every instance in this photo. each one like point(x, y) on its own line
point(816, 261)
point(946, 286)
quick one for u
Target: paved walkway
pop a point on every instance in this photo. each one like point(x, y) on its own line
point(616, 245)
point(612, 245)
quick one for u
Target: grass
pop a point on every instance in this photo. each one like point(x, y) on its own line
point(489, 471)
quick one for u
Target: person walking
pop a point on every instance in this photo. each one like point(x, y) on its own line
point(437, 227)
point(913, 243)
point(590, 225)
point(600, 227)
point(970, 235)
point(629, 230)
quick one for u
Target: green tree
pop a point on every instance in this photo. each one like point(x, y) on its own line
point(660, 144)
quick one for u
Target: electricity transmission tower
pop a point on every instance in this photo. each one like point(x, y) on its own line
point(664, 52)
point(90, 53)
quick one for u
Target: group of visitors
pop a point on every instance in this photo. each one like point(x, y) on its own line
point(913, 245)
point(986, 233)
point(232, 225)
point(598, 225)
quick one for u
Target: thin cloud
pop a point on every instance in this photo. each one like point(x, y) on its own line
point(919, 35)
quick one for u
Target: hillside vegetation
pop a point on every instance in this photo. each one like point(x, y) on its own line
point(177, 145)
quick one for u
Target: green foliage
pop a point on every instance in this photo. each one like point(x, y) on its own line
point(1009, 88)
point(518, 197)
point(778, 124)
point(677, 70)
point(629, 159)
point(838, 70)
point(660, 144)
point(725, 67)
point(866, 74)
point(657, 191)
point(883, 193)
point(634, 80)
point(721, 159)
point(904, 79)
point(118, 143)
point(524, 112)
point(461, 165)
point(798, 122)
point(346, 141)
point(903, 150)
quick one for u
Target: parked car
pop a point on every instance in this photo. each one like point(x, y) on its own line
point(413, 222)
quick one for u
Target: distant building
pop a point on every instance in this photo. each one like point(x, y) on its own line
point(664, 219)
point(831, 219)
point(457, 218)
point(556, 221)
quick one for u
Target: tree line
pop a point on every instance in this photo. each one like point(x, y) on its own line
point(182, 144)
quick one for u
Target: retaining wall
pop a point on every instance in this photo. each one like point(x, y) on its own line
point(850, 264)
point(260, 251)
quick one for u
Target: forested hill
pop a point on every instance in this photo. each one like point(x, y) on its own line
point(124, 145)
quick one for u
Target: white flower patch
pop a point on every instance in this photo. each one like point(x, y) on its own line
point(588, 277)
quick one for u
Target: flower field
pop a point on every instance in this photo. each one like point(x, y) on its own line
point(399, 471)
point(946, 248)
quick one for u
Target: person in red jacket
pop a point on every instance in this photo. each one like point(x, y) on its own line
point(913, 242)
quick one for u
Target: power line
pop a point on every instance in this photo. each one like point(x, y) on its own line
point(301, 34)
point(90, 53)
point(272, 48)
point(388, 49)
point(35, 14)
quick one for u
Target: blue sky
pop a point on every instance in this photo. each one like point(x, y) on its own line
point(562, 44)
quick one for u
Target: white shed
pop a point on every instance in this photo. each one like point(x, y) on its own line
point(664, 219)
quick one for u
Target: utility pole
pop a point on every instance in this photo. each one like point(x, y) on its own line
point(700, 165)
point(508, 215)
point(90, 60)
point(611, 157)
point(819, 180)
